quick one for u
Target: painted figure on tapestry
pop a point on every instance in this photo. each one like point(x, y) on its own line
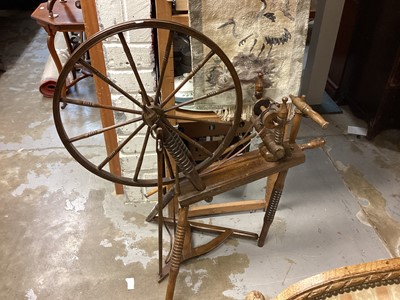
point(266, 36)
point(247, 27)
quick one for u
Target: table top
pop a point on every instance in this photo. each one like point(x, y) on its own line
point(69, 17)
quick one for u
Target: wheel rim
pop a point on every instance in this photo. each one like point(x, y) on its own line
point(151, 100)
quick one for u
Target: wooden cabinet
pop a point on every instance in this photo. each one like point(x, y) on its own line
point(343, 41)
point(365, 70)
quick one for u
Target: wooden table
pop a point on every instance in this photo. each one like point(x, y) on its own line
point(69, 19)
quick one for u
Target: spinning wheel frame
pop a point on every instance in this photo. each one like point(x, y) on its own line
point(156, 107)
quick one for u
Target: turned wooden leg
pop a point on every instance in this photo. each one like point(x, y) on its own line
point(273, 203)
point(176, 258)
point(271, 180)
point(53, 51)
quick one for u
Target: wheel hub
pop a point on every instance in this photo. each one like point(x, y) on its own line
point(152, 115)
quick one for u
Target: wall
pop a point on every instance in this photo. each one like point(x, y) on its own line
point(322, 44)
point(111, 12)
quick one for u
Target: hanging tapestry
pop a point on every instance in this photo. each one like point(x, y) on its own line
point(265, 36)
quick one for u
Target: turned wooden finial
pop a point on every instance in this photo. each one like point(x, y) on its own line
point(259, 89)
point(283, 109)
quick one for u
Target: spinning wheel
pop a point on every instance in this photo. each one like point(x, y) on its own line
point(142, 110)
point(144, 115)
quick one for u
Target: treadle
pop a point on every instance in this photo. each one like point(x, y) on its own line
point(189, 252)
point(203, 227)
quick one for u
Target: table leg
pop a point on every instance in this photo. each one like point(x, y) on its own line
point(52, 50)
point(70, 50)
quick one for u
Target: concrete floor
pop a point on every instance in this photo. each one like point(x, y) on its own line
point(64, 234)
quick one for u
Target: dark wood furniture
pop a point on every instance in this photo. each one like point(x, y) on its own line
point(340, 54)
point(365, 70)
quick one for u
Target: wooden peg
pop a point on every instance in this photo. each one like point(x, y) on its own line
point(306, 109)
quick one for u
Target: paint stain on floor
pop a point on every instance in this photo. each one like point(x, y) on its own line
point(197, 276)
point(374, 209)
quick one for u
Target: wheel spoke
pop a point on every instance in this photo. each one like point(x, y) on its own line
point(185, 118)
point(194, 143)
point(108, 81)
point(120, 146)
point(95, 132)
point(188, 77)
point(164, 64)
point(142, 152)
point(92, 104)
point(208, 95)
point(133, 66)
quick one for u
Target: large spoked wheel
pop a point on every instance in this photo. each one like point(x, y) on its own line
point(137, 107)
